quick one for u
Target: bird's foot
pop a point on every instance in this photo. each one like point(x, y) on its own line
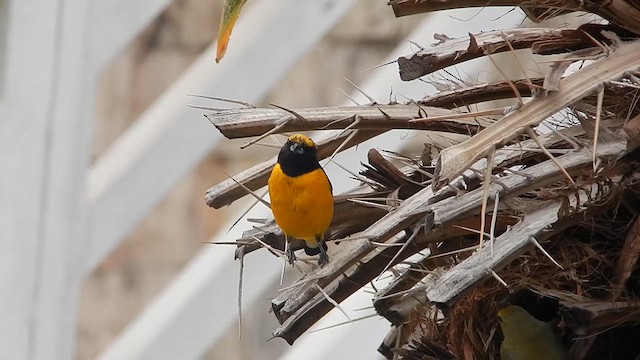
point(291, 256)
point(324, 258)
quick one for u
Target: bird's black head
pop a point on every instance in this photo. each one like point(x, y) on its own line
point(298, 156)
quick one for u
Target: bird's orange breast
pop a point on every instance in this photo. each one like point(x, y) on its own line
point(303, 205)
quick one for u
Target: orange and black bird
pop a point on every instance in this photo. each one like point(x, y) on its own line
point(301, 196)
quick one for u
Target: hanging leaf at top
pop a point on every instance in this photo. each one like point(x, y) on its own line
point(229, 16)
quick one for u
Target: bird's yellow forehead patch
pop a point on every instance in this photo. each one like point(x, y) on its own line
point(301, 139)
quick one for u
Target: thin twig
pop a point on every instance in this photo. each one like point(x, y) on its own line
point(356, 121)
point(333, 302)
point(371, 99)
point(470, 248)
point(337, 121)
point(268, 145)
point(494, 219)
point(208, 108)
point(504, 76)
point(533, 136)
point(349, 97)
point(486, 184)
point(568, 139)
point(515, 57)
point(268, 133)
point(224, 100)
point(235, 243)
point(605, 48)
point(596, 131)
point(240, 280)
point(497, 111)
point(537, 244)
point(471, 230)
point(419, 288)
point(278, 252)
point(284, 263)
point(384, 245)
point(497, 277)
point(247, 211)
point(263, 201)
point(620, 83)
point(298, 283)
point(404, 246)
point(344, 143)
point(371, 204)
point(379, 66)
point(344, 323)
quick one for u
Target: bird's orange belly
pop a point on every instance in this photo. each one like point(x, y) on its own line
point(302, 206)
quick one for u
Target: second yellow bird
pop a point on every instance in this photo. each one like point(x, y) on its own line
point(301, 196)
point(527, 338)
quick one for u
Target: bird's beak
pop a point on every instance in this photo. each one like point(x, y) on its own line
point(296, 148)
